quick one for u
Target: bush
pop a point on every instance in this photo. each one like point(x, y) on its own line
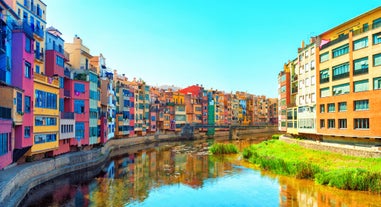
point(275, 136)
point(219, 148)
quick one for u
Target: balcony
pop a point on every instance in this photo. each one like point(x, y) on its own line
point(360, 71)
point(3, 75)
point(46, 80)
point(24, 27)
point(335, 41)
point(39, 55)
point(67, 115)
point(67, 73)
point(324, 80)
point(340, 76)
point(39, 32)
point(5, 113)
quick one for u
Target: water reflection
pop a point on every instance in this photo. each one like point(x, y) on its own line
point(185, 175)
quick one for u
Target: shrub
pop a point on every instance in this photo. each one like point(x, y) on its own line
point(275, 136)
point(219, 148)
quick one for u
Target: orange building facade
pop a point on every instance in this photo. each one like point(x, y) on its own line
point(349, 78)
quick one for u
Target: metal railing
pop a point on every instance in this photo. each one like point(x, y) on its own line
point(340, 76)
point(335, 41)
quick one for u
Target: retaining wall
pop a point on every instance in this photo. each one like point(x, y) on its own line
point(351, 150)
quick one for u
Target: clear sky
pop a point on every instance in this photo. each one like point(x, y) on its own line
point(229, 45)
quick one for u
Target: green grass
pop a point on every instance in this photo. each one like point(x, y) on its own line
point(343, 172)
point(220, 148)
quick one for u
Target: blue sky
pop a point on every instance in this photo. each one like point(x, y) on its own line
point(228, 45)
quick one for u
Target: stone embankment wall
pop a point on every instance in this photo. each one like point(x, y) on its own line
point(351, 150)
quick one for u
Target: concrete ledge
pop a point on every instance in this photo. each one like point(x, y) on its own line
point(350, 150)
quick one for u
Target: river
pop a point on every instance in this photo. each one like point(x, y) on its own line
point(184, 174)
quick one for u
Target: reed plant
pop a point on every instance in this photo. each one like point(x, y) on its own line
point(326, 168)
point(220, 148)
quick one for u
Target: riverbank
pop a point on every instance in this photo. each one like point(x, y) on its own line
point(326, 168)
point(17, 181)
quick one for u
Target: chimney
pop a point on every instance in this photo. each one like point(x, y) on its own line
point(303, 44)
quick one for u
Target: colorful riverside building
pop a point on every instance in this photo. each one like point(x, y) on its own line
point(292, 109)
point(125, 107)
point(283, 97)
point(107, 98)
point(54, 67)
point(349, 74)
point(194, 104)
point(306, 94)
point(180, 113)
point(82, 89)
point(12, 105)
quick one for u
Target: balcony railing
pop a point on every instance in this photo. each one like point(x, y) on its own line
point(340, 76)
point(335, 41)
point(25, 27)
point(324, 80)
point(360, 71)
point(39, 55)
point(39, 32)
point(67, 115)
point(5, 113)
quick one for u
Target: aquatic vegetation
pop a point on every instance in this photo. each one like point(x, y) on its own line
point(326, 168)
point(220, 148)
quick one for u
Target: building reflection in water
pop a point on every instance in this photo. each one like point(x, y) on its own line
point(305, 193)
point(139, 172)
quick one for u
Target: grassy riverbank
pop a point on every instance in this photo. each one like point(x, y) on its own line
point(343, 172)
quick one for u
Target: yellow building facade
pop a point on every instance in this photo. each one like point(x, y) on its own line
point(46, 115)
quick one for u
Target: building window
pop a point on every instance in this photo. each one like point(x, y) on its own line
point(312, 50)
point(28, 71)
point(360, 66)
point(43, 138)
point(377, 59)
point(45, 99)
point(340, 71)
point(313, 98)
point(19, 102)
point(361, 105)
point(377, 83)
point(312, 64)
point(342, 50)
point(376, 23)
point(4, 143)
point(342, 123)
point(324, 92)
point(79, 88)
point(313, 80)
point(59, 61)
point(361, 43)
point(322, 123)
point(331, 123)
point(331, 107)
point(365, 27)
point(26, 131)
point(324, 76)
point(27, 104)
point(37, 69)
point(362, 85)
point(79, 106)
point(45, 121)
point(340, 89)
point(342, 106)
point(362, 123)
point(322, 108)
point(324, 57)
point(28, 45)
point(377, 38)
point(61, 82)
point(79, 130)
